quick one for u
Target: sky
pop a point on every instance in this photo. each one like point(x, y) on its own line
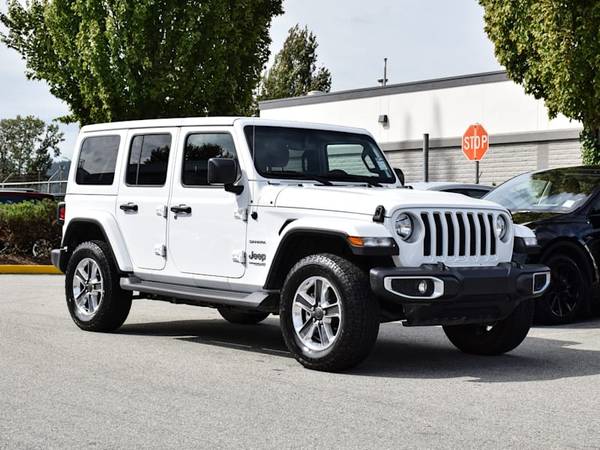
point(422, 39)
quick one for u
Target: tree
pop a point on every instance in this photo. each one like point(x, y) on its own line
point(27, 146)
point(294, 72)
point(113, 60)
point(552, 48)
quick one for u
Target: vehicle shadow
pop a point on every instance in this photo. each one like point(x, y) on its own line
point(407, 353)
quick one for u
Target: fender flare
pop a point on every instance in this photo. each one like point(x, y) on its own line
point(112, 235)
point(337, 228)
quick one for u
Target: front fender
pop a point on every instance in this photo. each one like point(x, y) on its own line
point(347, 227)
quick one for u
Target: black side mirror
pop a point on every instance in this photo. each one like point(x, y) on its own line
point(400, 175)
point(224, 171)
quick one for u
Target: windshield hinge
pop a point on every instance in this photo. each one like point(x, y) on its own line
point(241, 214)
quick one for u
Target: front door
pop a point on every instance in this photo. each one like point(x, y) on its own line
point(207, 229)
point(144, 194)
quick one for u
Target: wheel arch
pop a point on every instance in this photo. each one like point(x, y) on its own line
point(79, 230)
point(300, 242)
point(573, 247)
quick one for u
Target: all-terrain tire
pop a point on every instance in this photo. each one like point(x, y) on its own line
point(242, 317)
point(359, 324)
point(501, 337)
point(115, 303)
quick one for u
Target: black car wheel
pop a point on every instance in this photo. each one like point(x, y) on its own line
point(568, 294)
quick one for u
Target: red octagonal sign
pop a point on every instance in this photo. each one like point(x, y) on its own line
point(475, 142)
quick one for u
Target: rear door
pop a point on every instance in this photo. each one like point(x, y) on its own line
point(207, 229)
point(144, 194)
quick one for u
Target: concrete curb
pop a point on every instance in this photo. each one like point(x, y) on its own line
point(31, 270)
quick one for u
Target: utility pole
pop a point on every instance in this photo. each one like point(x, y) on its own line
point(426, 157)
point(383, 81)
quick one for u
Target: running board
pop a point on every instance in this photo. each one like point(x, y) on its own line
point(196, 295)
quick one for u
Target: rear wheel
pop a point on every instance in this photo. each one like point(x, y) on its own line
point(568, 294)
point(329, 318)
point(95, 299)
point(493, 339)
point(242, 317)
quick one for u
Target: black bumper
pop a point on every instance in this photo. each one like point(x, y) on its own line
point(441, 295)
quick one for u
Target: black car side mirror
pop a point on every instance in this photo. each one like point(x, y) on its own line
point(400, 175)
point(224, 171)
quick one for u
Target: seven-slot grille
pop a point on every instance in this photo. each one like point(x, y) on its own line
point(459, 234)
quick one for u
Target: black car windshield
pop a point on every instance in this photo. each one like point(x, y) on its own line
point(559, 191)
point(320, 155)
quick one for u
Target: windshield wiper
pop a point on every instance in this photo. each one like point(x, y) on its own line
point(303, 176)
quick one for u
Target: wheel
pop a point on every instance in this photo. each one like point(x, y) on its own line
point(41, 248)
point(568, 294)
point(493, 339)
point(242, 317)
point(329, 317)
point(94, 297)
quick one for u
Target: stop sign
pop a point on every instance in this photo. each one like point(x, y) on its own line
point(475, 142)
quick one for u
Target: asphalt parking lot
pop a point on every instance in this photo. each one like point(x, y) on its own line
point(178, 376)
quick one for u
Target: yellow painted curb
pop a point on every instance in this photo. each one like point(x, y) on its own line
point(34, 270)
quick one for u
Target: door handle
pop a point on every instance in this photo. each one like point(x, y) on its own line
point(181, 209)
point(129, 207)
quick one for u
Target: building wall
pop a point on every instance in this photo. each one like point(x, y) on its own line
point(522, 135)
point(502, 161)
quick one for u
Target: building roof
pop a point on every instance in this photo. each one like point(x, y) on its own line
point(378, 91)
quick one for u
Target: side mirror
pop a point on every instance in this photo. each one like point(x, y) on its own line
point(400, 175)
point(224, 171)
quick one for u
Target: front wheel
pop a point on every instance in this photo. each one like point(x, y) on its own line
point(329, 318)
point(493, 339)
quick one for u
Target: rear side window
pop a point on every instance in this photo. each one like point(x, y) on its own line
point(97, 160)
point(148, 160)
point(199, 148)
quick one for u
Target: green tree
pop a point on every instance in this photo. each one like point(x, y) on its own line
point(113, 60)
point(27, 146)
point(294, 72)
point(552, 48)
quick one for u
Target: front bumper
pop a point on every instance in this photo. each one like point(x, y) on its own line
point(441, 295)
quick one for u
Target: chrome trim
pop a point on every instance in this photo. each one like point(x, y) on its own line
point(438, 287)
point(546, 284)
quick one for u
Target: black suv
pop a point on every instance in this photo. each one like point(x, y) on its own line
point(562, 206)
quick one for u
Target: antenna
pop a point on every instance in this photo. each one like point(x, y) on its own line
point(383, 81)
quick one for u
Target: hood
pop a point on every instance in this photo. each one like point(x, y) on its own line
point(528, 217)
point(364, 200)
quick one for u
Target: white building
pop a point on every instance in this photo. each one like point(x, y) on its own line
point(522, 137)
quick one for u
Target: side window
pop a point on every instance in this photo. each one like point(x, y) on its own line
point(199, 148)
point(148, 160)
point(97, 160)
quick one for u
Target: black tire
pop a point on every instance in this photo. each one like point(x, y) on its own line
point(242, 317)
point(359, 323)
point(501, 337)
point(568, 296)
point(115, 303)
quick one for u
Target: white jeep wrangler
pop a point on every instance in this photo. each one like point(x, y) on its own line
point(257, 217)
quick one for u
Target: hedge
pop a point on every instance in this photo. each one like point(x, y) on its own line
point(28, 224)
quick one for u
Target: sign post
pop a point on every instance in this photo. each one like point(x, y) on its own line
point(475, 144)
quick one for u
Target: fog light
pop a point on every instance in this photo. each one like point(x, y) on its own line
point(422, 287)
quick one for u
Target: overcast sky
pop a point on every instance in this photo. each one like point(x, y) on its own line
point(422, 39)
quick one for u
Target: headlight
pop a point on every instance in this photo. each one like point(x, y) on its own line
point(404, 226)
point(501, 227)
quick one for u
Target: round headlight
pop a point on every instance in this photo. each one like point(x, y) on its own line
point(501, 227)
point(404, 226)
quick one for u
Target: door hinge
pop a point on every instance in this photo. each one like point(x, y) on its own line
point(162, 211)
point(160, 250)
point(241, 214)
point(239, 257)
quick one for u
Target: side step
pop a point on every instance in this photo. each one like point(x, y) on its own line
point(198, 296)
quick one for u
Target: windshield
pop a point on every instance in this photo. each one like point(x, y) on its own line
point(551, 191)
point(324, 156)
